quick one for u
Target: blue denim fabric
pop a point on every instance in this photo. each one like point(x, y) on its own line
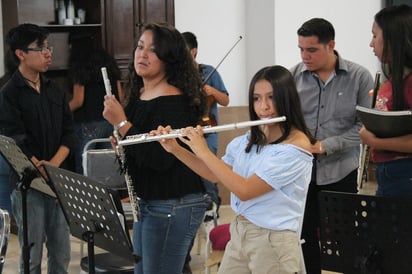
point(46, 224)
point(210, 188)
point(86, 132)
point(162, 236)
point(5, 202)
point(394, 178)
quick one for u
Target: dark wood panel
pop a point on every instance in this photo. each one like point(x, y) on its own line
point(161, 11)
point(120, 28)
point(120, 32)
point(92, 8)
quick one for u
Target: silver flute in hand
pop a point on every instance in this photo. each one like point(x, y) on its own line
point(145, 138)
point(120, 152)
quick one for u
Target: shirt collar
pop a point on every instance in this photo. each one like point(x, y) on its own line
point(340, 65)
point(21, 82)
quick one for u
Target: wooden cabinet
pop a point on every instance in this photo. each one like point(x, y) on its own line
point(116, 23)
point(44, 13)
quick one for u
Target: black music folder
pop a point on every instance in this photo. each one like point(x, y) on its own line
point(386, 124)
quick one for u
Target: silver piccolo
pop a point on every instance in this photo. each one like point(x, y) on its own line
point(106, 81)
point(145, 138)
point(120, 152)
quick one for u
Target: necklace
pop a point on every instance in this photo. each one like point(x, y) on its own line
point(35, 83)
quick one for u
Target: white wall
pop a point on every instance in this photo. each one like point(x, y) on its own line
point(352, 20)
point(260, 36)
point(269, 30)
point(218, 25)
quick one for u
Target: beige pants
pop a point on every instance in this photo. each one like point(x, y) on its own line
point(257, 250)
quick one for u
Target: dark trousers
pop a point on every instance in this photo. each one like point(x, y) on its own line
point(310, 228)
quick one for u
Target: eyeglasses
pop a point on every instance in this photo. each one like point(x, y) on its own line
point(43, 50)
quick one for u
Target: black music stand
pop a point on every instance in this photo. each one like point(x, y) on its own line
point(91, 213)
point(365, 234)
point(29, 177)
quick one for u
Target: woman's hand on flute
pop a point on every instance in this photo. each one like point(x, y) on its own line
point(192, 137)
point(195, 140)
point(113, 111)
point(170, 145)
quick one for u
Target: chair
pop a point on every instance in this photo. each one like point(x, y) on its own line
point(207, 225)
point(101, 166)
point(4, 235)
point(216, 242)
point(365, 234)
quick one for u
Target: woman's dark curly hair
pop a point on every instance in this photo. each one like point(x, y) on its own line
point(286, 101)
point(180, 69)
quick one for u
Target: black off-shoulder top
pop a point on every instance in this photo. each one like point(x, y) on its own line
point(157, 174)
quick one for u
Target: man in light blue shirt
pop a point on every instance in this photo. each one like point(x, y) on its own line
point(329, 88)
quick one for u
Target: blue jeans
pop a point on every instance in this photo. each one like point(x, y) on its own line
point(5, 191)
point(211, 188)
point(46, 224)
point(163, 234)
point(394, 178)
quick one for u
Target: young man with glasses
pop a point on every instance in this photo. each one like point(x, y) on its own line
point(36, 114)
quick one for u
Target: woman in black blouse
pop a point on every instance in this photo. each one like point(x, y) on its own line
point(165, 90)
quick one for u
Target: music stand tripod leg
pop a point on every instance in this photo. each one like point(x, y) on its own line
point(23, 186)
point(88, 236)
point(26, 172)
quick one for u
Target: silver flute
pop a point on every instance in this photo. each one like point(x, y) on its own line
point(146, 137)
point(120, 152)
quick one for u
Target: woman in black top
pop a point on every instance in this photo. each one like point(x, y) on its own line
point(165, 90)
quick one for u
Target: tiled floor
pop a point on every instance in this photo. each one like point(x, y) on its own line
point(197, 264)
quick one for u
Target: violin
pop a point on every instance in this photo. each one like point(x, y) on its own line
point(210, 119)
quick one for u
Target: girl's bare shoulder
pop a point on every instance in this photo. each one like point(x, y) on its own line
point(299, 139)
